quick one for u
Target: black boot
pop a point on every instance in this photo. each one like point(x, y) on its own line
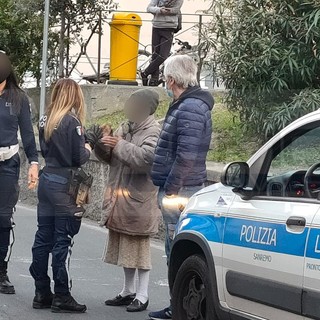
point(42, 301)
point(66, 304)
point(144, 79)
point(6, 286)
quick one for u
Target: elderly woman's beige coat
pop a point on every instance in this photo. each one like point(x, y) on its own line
point(130, 200)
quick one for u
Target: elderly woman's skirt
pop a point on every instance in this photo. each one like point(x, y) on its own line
point(128, 251)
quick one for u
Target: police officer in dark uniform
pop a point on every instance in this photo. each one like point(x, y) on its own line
point(64, 149)
point(14, 115)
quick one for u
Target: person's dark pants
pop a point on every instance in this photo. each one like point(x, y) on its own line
point(161, 45)
point(56, 228)
point(9, 194)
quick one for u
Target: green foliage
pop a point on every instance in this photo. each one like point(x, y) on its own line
point(21, 30)
point(306, 101)
point(231, 142)
point(116, 118)
point(267, 53)
point(20, 36)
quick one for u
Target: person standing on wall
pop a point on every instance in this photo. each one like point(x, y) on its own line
point(65, 150)
point(179, 166)
point(15, 114)
point(167, 14)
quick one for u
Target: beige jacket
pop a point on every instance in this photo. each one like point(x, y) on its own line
point(130, 201)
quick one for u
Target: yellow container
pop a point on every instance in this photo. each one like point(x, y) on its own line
point(124, 48)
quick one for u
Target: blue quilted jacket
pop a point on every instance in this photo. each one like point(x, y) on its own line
point(180, 155)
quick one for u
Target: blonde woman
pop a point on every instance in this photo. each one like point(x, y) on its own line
point(64, 149)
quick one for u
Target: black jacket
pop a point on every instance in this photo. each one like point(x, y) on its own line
point(66, 147)
point(12, 120)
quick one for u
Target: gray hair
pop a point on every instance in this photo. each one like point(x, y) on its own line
point(182, 69)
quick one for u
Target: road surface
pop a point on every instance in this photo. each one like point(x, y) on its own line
point(93, 280)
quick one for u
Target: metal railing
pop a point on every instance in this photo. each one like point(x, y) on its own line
point(190, 21)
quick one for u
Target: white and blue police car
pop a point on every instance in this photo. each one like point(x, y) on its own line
point(249, 247)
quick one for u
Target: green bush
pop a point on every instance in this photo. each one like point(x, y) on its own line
point(268, 55)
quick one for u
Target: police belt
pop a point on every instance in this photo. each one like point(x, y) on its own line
point(7, 153)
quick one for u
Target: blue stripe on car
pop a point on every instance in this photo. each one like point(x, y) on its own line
point(268, 236)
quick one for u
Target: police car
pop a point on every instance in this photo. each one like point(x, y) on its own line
point(249, 247)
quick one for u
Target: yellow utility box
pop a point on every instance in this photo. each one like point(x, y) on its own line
point(124, 48)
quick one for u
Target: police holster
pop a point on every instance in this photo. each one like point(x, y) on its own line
point(80, 185)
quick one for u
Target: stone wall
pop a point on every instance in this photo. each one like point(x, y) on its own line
point(101, 99)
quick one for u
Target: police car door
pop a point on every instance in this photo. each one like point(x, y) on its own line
point(265, 237)
point(311, 286)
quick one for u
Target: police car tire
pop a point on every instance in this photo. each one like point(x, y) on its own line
point(193, 278)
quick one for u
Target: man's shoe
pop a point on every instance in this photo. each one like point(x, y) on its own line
point(120, 301)
point(137, 306)
point(66, 304)
point(6, 286)
point(165, 314)
point(144, 79)
point(153, 83)
point(42, 301)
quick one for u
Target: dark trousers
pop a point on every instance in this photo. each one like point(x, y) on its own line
point(9, 194)
point(56, 228)
point(161, 45)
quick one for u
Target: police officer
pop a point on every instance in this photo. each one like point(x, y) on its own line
point(14, 115)
point(64, 149)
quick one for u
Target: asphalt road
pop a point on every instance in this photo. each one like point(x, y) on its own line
point(93, 280)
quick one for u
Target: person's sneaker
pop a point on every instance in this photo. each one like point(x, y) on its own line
point(42, 301)
point(120, 301)
point(66, 304)
point(165, 314)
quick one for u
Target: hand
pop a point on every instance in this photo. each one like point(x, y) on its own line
point(88, 147)
point(93, 135)
point(33, 176)
point(164, 10)
point(174, 201)
point(110, 141)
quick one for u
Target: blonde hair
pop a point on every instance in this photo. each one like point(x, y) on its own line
point(66, 96)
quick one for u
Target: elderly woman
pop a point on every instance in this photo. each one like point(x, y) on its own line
point(130, 210)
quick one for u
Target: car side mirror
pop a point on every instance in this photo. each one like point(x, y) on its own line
point(236, 175)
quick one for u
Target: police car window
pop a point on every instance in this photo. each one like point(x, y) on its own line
point(301, 154)
point(289, 166)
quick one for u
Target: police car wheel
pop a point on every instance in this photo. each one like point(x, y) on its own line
point(192, 291)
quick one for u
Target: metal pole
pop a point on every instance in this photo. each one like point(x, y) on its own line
point(44, 57)
point(99, 47)
point(200, 28)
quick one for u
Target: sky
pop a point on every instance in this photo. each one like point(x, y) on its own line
point(190, 7)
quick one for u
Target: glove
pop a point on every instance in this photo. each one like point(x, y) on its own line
point(93, 135)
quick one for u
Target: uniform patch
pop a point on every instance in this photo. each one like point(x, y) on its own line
point(43, 121)
point(79, 130)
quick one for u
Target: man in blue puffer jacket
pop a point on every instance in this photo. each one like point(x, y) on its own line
point(179, 167)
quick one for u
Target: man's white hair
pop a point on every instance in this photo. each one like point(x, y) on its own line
point(182, 69)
